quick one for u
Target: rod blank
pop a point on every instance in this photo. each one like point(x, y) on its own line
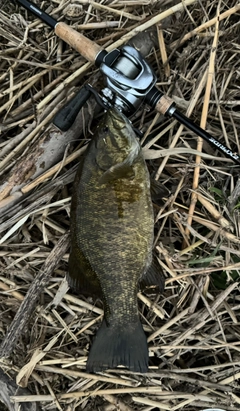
point(50, 21)
point(206, 136)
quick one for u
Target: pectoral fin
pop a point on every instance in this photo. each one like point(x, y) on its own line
point(153, 276)
point(118, 171)
point(81, 277)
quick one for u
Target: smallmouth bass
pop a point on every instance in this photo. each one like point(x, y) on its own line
point(111, 241)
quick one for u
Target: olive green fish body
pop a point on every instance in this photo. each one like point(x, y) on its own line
point(112, 237)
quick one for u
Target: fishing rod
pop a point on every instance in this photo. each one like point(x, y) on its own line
point(130, 81)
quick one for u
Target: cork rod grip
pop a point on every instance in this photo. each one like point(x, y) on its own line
point(163, 104)
point(87, 48)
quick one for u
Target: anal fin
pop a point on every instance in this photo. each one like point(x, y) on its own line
point(153, 276)
point(158, 191)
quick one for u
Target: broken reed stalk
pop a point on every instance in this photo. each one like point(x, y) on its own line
point(203, 122)
point(28, 305)
point(191, 106)
point(206, 25)
point(8, 388)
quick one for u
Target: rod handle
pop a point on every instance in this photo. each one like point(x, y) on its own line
point(87, 48)
point(66, 116)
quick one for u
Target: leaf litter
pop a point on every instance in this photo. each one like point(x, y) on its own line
point(193, 328)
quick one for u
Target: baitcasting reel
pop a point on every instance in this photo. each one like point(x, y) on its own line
point(128, 77)
point(129, 81)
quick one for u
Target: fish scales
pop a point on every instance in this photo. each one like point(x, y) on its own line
point(112, 235)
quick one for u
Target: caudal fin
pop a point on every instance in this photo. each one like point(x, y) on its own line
point(114, 346)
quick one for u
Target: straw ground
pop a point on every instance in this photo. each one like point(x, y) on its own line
point(193, 328)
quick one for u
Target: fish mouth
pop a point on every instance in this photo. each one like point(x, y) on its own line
point(117, 118)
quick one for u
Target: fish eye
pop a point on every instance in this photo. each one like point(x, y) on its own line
point(105, 129)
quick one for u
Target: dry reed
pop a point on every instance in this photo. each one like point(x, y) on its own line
point(193, 328)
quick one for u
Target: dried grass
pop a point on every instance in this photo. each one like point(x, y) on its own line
point(193, 328)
